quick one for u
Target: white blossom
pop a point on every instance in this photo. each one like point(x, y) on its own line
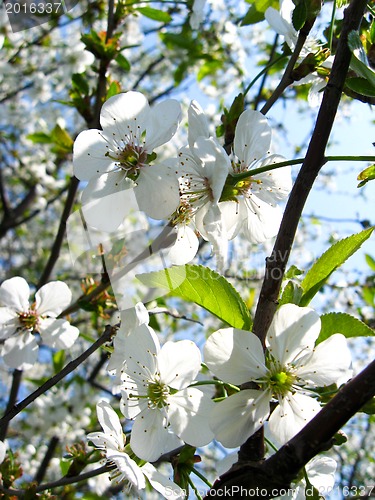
point(156, 394)
point(202, 171)
point(19, 321)
point(286, 374)
point(118, 158)
point(113, 441)
point(250, 205)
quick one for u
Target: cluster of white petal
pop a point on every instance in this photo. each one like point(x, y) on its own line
point(286, 375)
point(193, 190)
point(113, 441)
point(20, 321)
point(157, 394)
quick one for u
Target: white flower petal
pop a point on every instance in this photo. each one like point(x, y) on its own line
point(157, 191)
point(321, 473)
point(122, 341)
point(3, 450)
point(274, 185)
point(150, 437)
point(189, 412)
point(235, 356)
point(179, 363)
point(198, 123)
point(278, 23)
point(162, 484)
point(104, 441)
point(107, 201)
point(329, 363)
point(252, 137)
point(291, 415)
point(20, 351)
point(14, 293)
point(89, 155)
point(216, 234)
point(185, 247)
point(9, 322)
point(128, 468)
point(237, 417)
point(293, 331)
point(124, 115)
point(163, 122)
point(58, 333)
point(53, 298)
point(261, 222)
point(110, 422)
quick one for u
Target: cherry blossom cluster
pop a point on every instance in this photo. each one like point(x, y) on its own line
point(22, 324)
point(166, 403)
point(202, 191)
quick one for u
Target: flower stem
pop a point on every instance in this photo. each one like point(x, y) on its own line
point(297, 161)
point(203, 478)
point(194, 488)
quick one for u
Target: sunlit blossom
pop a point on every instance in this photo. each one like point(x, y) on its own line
point(20, 321)
point(113, 442)
point(286, 374)
point(156, 394)
point(121, 156)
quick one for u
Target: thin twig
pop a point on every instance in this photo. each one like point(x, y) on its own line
point(16, 409)
point(41, 472)
point(287, 79)
point(16, 382)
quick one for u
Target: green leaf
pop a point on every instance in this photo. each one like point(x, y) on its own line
point(79, 83)
point(370, 261)
point(123, 62)
point(292, 272)
point(327, 263)
point(113, 89)
point(368, 174)
point(205, 288)
point(291, 294)
point(252, 16)
point(369, 407)
point(155, 14)
point(40, 138)
point(359, 62)
point(58, 360)
point(255, 14)
point(361, 86)
point(299, 15)
point(62, 140)
point(343, 323)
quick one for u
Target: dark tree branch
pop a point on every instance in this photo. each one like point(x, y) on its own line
point(41, 472)
point(61, 482)
point(287, 78)
point(16, 382)
point(55, 251)
point(315, 159)
point(16, 409)
point(277, 472)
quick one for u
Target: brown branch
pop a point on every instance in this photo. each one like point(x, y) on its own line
point(16, 382)
point(277, 472)
point(315, 159)
point(41, 472)
point(60, 482)
point(16, 409)
point(287, 78)
point(276, 263)
point(55, 251)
